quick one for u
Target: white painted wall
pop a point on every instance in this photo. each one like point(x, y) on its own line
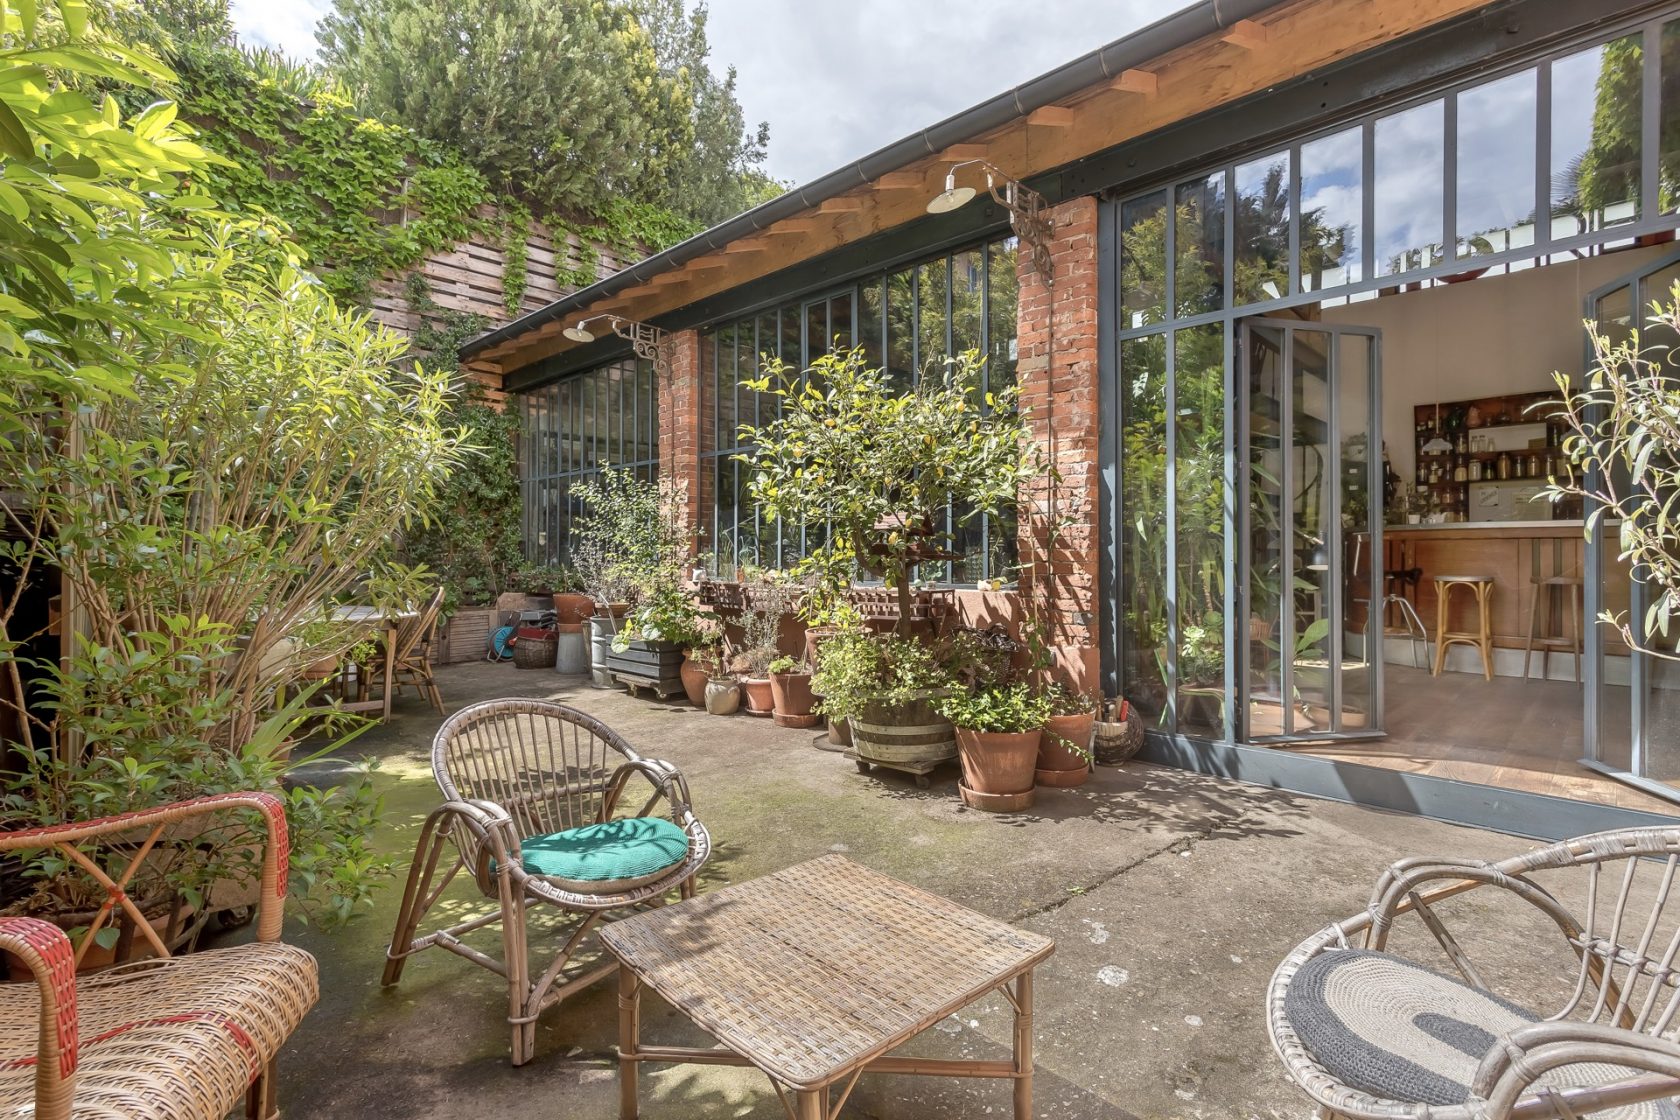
point(1482, 338)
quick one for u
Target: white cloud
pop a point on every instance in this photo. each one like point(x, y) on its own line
point(287, 25)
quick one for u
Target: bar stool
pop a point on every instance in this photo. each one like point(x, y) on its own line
point(1482, 637)
point(1550, 587)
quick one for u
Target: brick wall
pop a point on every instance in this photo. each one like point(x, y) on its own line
point(679, 419)
point(1057, 352)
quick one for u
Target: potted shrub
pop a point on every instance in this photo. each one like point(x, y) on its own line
point(998, 735)
point(649, 647)
point(702, 660)
point(885, 689)
point(768, 600)
point(1064, 754)
point(790, 691)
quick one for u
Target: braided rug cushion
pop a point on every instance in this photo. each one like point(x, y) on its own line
point(166, 1039)
point(613, 856)
point(1405, 1033)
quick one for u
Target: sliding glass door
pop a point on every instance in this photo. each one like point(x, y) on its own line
point(1310, 462)
point(1632, 693)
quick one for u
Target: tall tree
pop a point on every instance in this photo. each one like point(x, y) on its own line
point(569, 104)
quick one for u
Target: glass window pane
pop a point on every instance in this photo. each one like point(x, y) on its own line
point(968, 287)
point(816, 329)
point(1199, 282)
point(869, 323)
point(1668, 168)
point(1332, 211)
point(1596, 121)
point(586, 418)
point(1003, 298)
point(1495, 189)
point(1143, 261)
point(766, 345)
point(1199, 418)
point(1143, 546)
point(930, 316)
point(901, 327)
point(726, 387)
point(792, 352)
point(1261, 225)
point(1408, 187)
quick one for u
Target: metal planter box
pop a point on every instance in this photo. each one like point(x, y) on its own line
point(655, 665)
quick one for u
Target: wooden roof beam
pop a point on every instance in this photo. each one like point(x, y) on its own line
point(842, 204)
point(1136, 81)
point(744, 247)
point(901, 180)
point(957, 152)
point(1052, 116)
point(792, 225)
point(1247, 34)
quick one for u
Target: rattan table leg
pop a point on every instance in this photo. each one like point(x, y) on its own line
point(629, 1032)
point(1023, 1045)
point(810, 1104)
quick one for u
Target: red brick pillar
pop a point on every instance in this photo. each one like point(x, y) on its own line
point(1057, 350)
point(679, 420)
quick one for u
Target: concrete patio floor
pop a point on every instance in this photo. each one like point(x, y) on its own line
point(1171, 898)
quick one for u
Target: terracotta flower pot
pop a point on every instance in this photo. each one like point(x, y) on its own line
point(791, 695)
point(761, 701)
point(1058, 763)
point(723, 696)
point(572, 609)
point(694, 681)
point(998, 762)
point(814, 638)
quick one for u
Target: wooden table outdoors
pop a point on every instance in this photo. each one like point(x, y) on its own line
point(814, 973)
point(385, 623)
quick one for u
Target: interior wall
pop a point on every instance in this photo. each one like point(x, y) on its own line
point(1481, 338)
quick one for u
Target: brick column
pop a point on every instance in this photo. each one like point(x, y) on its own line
point(1057, 352)
point(679, 421)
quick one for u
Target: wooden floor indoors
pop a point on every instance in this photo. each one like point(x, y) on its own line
point(1506, 732)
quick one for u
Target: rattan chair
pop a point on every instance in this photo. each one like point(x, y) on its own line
point(516, 776)
point(1340, 1009)
point(177, 1037)
point(411, 662)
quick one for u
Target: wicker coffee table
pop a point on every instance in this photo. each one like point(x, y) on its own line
point(813, 974)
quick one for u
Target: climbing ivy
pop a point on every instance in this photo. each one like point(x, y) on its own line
point(516, 227)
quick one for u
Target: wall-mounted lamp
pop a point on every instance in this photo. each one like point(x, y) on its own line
point(644, 338)
point(1025, 206)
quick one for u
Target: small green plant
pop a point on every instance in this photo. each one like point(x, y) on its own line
point(666, 616)
point(546, 579)
point(1064, 701)
point(785, 665)
point(860, 668)
point(1008, 710)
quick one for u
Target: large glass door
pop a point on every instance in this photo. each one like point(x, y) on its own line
point(1632, 694)
point(1310, 463)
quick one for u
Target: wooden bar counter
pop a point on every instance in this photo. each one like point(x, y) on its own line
point(1514, 553)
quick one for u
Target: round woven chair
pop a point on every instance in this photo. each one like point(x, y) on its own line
point(1372, 1036)
point(535, 810)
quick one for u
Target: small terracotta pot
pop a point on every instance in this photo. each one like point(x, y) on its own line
point(1055, 755)
point(723, 696)
point(572, 609)
point(694, 681)
point(761, 701)
point(814, 638)
point(840, 732)
point(792, 693)
point(998, 762)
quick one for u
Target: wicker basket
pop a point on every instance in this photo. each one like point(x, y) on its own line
point(1118, 735)
point(535, 653)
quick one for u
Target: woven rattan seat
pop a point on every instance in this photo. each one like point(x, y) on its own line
point(156, 1035)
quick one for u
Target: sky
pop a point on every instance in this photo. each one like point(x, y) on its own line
point(835, 81)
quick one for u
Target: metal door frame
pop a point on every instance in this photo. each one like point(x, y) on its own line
point(1335, 550)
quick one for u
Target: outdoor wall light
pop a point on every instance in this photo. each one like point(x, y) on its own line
point(1025, 206)
point(644, 338)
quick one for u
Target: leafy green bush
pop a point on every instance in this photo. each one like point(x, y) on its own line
point(1007, 710)
point(859, 667)
point(472, 540)
point(631, 539)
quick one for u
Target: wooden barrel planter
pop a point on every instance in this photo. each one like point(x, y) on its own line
point(912, 737)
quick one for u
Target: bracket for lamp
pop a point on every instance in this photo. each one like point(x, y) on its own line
point(1025, 206)
point(645, 339)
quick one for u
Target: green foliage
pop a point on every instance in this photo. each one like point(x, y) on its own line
point(566, 105)
point(785, 665)
point(630, 540)
point(472, 539)
point(859, 668)
point(441, 330)
point(1007, 709)
point(665, 615)
point(882, 466)
point(516, 227)
point(1623, 441)
point(545, 579)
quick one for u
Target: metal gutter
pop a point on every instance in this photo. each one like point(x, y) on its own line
point(1207, 17)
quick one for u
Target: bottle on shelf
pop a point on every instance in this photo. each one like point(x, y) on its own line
point(1504, 465)
point(1475, 470)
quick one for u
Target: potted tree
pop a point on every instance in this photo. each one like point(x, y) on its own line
point(769, 601)
point(885, 689)
point(790, 690)
point(998, 734)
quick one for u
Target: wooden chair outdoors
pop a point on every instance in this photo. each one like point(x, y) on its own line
point(411, 655)
point(533, 793)
point(176, 1037)
point(1372, 1036)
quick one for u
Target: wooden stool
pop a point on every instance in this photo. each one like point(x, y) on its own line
point(1548, 641)
point(1482, 638)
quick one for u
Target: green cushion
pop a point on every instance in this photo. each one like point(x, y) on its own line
point(616, 855)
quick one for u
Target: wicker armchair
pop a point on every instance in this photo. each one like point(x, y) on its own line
point(176, 1037)
point(1351, 1022)
point(532, 797)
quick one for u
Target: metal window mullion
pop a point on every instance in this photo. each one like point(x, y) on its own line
point(1286, 505)
point(1650, 125)
point(1368, 200)
point(1335, 554)
point(1543, 157)
point(1449, 177)
point(1228, 228)
point(1294, 219)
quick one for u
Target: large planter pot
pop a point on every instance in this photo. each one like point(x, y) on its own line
point(571, 609)
point(723, 696)
point(911, 736)
point(791, 694)
point(996, 762)
point(694, 681)
point(761, 701)
point(655, 665)
point(601, 630)
point(1058, 763)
